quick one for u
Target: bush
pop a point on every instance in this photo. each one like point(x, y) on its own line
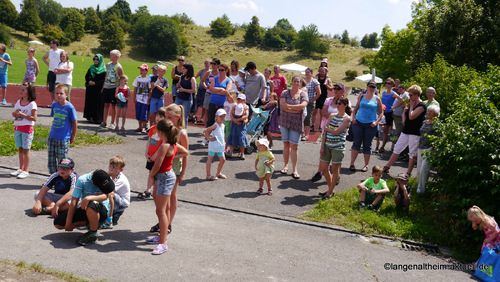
point(4, 34)
point(351, 73)
point(367, 59)
point(51, 32)
point(222, 27)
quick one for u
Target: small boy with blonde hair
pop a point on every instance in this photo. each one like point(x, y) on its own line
point(264, 165)
point(373, 190)
point(121, 196)
point(113, 73)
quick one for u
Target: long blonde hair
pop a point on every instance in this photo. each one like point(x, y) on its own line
point(476, 212)
point(178, 111)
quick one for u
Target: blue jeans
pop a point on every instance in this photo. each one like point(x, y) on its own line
point(186, 104)
point(363, 133)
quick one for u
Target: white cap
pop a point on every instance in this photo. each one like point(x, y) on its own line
point(242, 70)
point(241, 96)
point(239, 109)
point(264, 142)
point(220, 112)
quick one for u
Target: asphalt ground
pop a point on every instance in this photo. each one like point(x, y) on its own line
point(223, 230)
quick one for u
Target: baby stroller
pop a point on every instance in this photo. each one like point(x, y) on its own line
point(255, 128)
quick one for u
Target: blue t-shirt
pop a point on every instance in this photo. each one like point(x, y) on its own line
point(60, 185)
point(84, 187)
point(62, 124)
point(3, 66)
point(155, 93)
point(388, 101)
point(367, 112)
point(216, 99)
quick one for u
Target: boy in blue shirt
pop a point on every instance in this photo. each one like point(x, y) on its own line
point(5, 62)
point(63, 183)
point(63, 130)
point(91, 193)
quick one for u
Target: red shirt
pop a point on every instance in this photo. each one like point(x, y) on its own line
point(166, 165)
point(279, 84)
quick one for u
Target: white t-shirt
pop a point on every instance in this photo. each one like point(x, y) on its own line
point(142, 85)
point(54, 58)
point(26, 109)
point(65, 78)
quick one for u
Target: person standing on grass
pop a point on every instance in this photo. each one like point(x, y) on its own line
point(64, 72)
point(94, 79)
point(5, 62)
point(25, 118)
point(113, 73)
point(54, 57)
point(32, 68)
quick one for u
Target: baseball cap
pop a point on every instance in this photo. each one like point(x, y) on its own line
point(241, 96)
point(66, 162)
point(403, 176)
point(155, 67)
point(371, 83)
point(239, 109)
point(144, 67)
point(325, 60)
point(242, 70)
point(250, 66)
point(264, 142)
point(220, 112)
point(103, 181)
point(340, 84)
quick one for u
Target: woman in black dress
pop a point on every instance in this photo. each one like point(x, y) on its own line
point(94, 79)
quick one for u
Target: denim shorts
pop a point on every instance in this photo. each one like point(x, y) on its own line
point(23, 139)
point(165, 182)
point(155, 104)
point(121, 105)
point(3, 80)
point(141, 111)
point(288, 135)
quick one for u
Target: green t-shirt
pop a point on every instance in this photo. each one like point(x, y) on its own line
point(370, 184)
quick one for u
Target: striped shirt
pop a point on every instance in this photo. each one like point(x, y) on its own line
point(336, 142)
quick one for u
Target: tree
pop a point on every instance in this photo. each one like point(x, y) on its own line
point(121, 9)
point(222, 26)
point(4, 34)
point(285, 25)
point(112, 37)
point(364, 41)
point(73, 24)
point(182, 18)
point(92, 21)
point(253, 33)
point(370, 41)
point(8, 12)
point(345, 37)
point(51, 32)
point(354, 42)
point(308, 40)
point(50, 11)
point(28, 20)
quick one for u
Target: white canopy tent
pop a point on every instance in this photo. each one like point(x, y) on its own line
point(35, 42)
point(367, 77)
point(294, 68)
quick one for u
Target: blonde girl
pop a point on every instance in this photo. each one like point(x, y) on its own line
point(25, 117)
point(64, 72)
point(228, 106)
point(32, 68)
point(480, 220)
point(121, 107)
point(165, 178)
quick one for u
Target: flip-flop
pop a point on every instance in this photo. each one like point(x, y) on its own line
point(295, 175)
point(364, 169)
point(352, 168)
point(211, 177)
point(284, 171)
point(220, 175)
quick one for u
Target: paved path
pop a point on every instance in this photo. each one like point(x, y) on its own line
point(241, 236)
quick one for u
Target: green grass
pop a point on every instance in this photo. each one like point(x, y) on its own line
point(23, 267)
point(421, 224)
point(203, 46)
point(41, 134)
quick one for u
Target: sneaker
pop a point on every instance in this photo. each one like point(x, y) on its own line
point(116, 216)
point(371, 207)
point(362, 205)
point(16, 173)
point(111, 126)
point(204, 142)
point(23, 175)
point(45, 211)
point(106, 225)
point(154, 240)
point(103, 124)
point(87, 239)
point(317, 177)
point(160, 249)
point(4, 102)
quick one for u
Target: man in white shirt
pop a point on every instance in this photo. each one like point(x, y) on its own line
point(54, 59)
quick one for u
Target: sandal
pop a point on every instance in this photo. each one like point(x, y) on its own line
point(155, 228)
point(381, 150)
point(169, 229)
point(145, 195)
point(322, 193)
point(284, 171)
point(295, 175)
point(326, 196)
point(222, 176)
point(211, 177)
point(352, 168)
point(260, 191)
point(386, 169)
point(364, 169)
point(138, 130)
point(270, 192)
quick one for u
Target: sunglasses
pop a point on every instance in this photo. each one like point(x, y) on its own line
point(222, 69)
point(388, 83)
point(339, 103)
point(212, 63)
point(180, 60)
point(337, 88)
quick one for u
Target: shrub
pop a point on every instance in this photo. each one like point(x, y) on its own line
point(222, 27)
point(351, 73)
point(51, 32)
point(4, 34)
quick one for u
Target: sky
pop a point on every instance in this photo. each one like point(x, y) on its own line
point(358, 17)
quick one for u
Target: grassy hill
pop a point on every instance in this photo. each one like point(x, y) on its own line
point(203, 46)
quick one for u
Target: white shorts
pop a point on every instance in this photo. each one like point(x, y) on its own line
point(407, 140)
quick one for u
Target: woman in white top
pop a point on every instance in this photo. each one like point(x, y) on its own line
point(64, 71)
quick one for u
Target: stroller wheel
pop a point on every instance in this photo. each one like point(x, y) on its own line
point(253, 145)
point(248, 150)
point(194, 119)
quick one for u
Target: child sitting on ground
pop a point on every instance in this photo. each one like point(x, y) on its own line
point(63, 181)
point(215, 135)
point(264, 165)
point(402, 192)
point(91, 192)
point(373, 190)
point(121, 196)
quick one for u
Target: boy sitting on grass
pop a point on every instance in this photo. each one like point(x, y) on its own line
point(373, 190)
point(63, 181)
point(91, 193)
point(402, 192)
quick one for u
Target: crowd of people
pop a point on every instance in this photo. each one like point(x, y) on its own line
point(227, 97)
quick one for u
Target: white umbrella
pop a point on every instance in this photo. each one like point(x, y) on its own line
point(294, 68)
point(35, 42)
point(367, 77)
